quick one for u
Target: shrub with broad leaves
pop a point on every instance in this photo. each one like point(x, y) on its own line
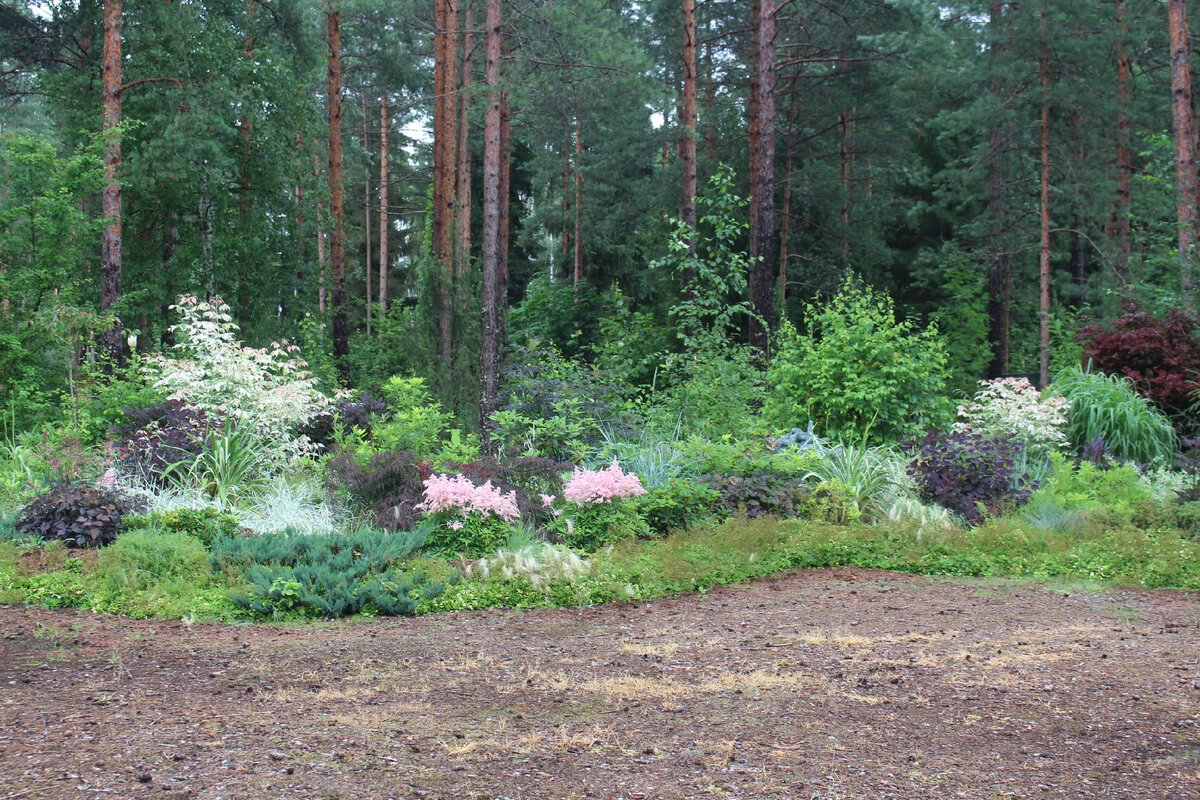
point(1159, 356)
point(269, 388)
point(156, 438)
point(77, 514)
point(1011, 408)
point(968, 474)
point(858, 370)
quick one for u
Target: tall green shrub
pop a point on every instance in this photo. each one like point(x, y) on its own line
point(858, 371)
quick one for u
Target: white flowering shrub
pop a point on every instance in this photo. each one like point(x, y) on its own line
point(1011, 408)
point(269, 388)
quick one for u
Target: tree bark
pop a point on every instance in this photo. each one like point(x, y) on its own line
point(383, 203)
point(337, 244)
point(687, 144)
point(578, 207)
point(1124, 161)
point(445, 55)
point(1185, 144)
point(566, 201)
point(368, 273)
point(995, 272)
point(505, 190)
point(763, 211)
point(1044, 250)
point(463, 191)
point(490, 322)
point(110, 197)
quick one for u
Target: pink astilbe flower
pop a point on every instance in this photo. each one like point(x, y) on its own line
point(458, 495)
point(602, 486)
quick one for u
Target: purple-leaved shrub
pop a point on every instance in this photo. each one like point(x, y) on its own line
point(966, 473)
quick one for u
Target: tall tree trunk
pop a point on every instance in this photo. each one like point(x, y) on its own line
point(110, 197)
point(785, 221)
point(490, 322)
point(752, 119)
point(337, 245)
point(1078, 253)
point(445, 55)
point(1124, 162)
point(995, 273)
point(1044, 250)
point(383, 202)
point(566, 201)
point(505, 189)
point(846, 160)
point(687, 144)
point(463, 259)
point(578, 208)
point(1185, 144)
point(762, 292)
point(322, 299)
point(368, 273)
point(710, 100)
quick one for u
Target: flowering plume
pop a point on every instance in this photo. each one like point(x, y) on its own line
point(458, 495)
point(603, 486)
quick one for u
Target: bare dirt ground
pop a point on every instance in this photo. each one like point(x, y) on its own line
point(815, 685)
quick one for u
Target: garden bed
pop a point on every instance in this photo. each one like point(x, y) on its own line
point(820, 684)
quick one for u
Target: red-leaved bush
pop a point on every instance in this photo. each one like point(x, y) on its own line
point(1160, 356)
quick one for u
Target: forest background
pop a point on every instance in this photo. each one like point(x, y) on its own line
point(443, 188)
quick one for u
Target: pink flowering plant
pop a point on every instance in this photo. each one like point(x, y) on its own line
point(466, 518)
point(598, 509)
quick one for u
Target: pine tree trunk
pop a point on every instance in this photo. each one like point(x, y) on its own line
point(995, 273)
point(566, 201)
point(110, 198)
point(1044, 250)
point(490, 256)
point(505, 189)
point(463, 191)
point(786, 219)
point(687, 143)
point(337, 245)
point(762, 291)
point(578, 207)
point(752, 119)
point(1124, 161)
point(1185, 144)
point(368, 273)
point(383, 203)
point(445, 54)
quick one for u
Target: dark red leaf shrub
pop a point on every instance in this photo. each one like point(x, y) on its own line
point(1161, 356)
point(528, 476)
point(77, 514)
point(389, 484)
point(967, 473)
point(154, 438)
point(357, 412)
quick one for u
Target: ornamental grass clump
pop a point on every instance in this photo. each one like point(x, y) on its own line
point(599, 512)
point(1011, 408)
point(466, 518)
point(1107, 408)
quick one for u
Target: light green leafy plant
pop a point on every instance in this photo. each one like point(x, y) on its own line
point(858, 370)
point(1108, 409)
